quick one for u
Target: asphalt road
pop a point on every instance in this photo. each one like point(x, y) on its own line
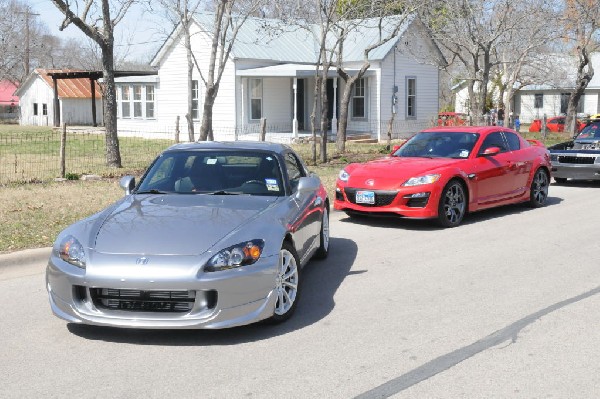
point(505, 305)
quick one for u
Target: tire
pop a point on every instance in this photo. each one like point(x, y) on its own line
point(286, 288)
point(453, 204)
point(538, 193)
point(323, 250)
point(560, 180)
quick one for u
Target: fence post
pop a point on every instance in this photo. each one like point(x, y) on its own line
point(177, 130)
point(63, 143)
point(263, 129)
point(544, 128)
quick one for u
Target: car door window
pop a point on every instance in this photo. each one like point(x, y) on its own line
point(494, 139)
point(514, 143)
point(294, 170)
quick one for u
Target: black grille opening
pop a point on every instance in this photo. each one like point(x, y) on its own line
point(575, 159)
point(417, 202)
point(143, 301)
point(382, 198)
point(339, 196)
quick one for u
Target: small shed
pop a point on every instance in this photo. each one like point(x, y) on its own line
point(37, 99)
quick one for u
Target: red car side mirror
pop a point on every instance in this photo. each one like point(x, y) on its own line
point(491, 151)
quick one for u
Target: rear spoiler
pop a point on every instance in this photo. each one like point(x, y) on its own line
point(536, 142)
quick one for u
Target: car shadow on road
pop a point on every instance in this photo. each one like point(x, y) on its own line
point(321, 279)
point(395, 222)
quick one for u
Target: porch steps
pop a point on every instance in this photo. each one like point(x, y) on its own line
point(361, 138)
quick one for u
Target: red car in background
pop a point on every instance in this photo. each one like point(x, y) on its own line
point(452, 119)
point(445, 172)
point(554, 124)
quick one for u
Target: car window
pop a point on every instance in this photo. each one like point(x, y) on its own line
point(223, 172)
point(439, 145)
point(294, 169)
point(591, 131)
point(494, 139)
point(514, 143)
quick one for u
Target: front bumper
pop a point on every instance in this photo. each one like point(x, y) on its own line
point(576, 166)
point(420, 202)
point(219, 299)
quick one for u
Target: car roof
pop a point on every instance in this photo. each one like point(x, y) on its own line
point(468, 129)
point(230, 145)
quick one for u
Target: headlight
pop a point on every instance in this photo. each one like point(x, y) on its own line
point(418, 181)
point(242, 254)
point(71, 251)
point(344, 176)
point(597, 160)
point(553, 157)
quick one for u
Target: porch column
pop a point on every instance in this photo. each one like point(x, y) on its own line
point(242, 101)
point(295, 121)
point(334, 116)
point(56, 102)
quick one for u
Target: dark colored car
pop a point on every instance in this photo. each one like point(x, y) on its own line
point(580, 158)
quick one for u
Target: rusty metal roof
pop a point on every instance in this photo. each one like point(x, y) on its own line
point(70, 88)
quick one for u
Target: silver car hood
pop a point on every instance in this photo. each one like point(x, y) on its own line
point(168, 224)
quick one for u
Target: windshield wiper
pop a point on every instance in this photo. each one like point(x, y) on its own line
point(153, 191)
point(223, 192)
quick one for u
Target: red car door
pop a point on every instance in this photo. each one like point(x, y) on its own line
point(520, 164)
point(492, 175)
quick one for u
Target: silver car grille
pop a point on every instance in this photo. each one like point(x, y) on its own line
point(576, 159)
point(143, 301)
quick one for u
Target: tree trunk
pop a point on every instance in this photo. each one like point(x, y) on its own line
point(343, 119)
point(313, 125)
point(190, 69)
point(324, 115)
point(206, 130)
point(113, 153)
point(583, 79)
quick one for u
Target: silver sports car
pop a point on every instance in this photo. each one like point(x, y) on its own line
point(213, 236)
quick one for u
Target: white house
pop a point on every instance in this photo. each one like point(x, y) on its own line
point(272, 76)
point(74, 97)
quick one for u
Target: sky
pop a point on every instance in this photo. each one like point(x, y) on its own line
point(138, 36)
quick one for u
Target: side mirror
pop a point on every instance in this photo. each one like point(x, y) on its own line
point(490, 151)
point(127, 183)
point(308, 184)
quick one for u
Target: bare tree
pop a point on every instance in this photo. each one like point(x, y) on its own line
point(181, 12)
point(229, 17)
point(582, 25)
point(469, 32)
point(377, 18)
point(97, 20)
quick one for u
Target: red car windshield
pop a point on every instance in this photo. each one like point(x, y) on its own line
point(456, 145)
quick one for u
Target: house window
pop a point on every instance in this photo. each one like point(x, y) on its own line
point(411, 97)
point(44, 109)
point(35, 109)
point(137, 101)
point(195, 92)
point(359, 99)
point(125, 102)
point(149, 101)
point(539, 100)
point(255, 99)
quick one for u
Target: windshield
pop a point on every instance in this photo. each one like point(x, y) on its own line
point(591, 131)
point(214, 172)
point(439, 145)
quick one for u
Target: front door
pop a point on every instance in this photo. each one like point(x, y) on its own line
point(330, 94)
point(300, 103)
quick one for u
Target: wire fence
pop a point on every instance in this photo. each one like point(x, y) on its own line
point(33, 154)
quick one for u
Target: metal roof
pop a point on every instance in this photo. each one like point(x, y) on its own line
point(290, 70)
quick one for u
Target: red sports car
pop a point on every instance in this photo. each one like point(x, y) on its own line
point(445, 172)
point(554, 124)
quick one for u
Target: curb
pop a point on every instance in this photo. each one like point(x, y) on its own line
point(28, 257)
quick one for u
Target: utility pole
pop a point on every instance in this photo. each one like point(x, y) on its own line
point(27, 14)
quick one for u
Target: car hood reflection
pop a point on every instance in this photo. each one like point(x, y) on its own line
point(194, 222)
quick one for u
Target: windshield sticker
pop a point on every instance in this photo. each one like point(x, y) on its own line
point(464, 154)
point(211, 161)
point(272, 184)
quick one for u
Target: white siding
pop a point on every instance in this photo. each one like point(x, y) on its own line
point(427, 85)
point(78, 111)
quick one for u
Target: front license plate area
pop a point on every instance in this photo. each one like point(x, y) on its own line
point(365, 197)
